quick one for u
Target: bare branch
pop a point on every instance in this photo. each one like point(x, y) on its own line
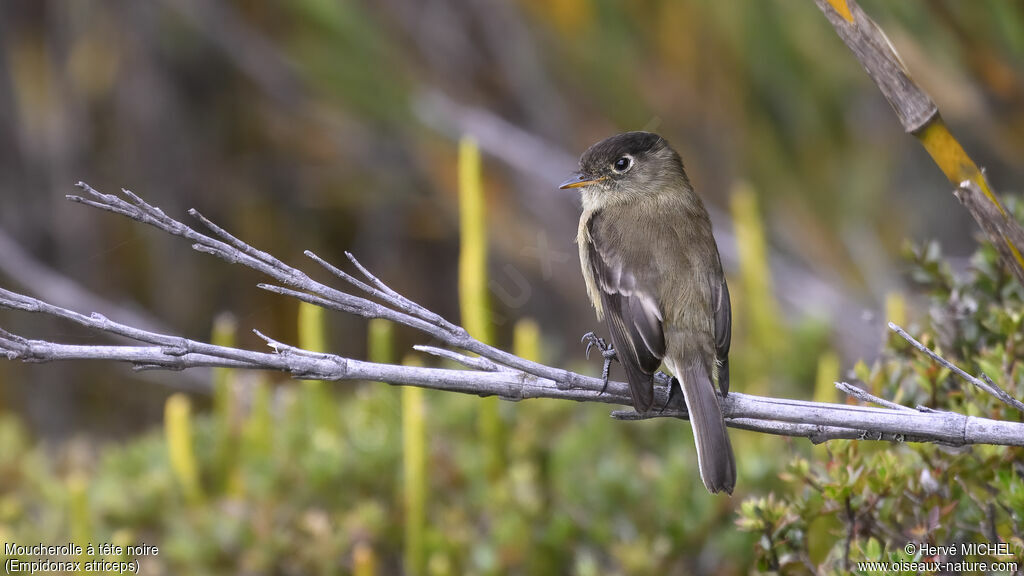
point(474, 362)
point(984, 383)
point(318, 293)
point(865, 396)
point(874, 51)
point(402, 302)
point(17, 264)
point(1005, 233)
point(814, 420)
point(44, 282)
point(494, 372)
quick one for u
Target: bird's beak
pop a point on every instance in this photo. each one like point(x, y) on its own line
point(577, 180)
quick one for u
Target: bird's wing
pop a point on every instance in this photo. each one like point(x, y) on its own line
point(634, 317)
point(723, 330)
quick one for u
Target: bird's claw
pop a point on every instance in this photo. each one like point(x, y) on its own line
point(672, 385)
point(607, 352)
point(592, 340)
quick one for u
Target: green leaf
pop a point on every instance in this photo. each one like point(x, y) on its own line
point(873, 550)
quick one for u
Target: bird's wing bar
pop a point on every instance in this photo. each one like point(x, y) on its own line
point(634, 318)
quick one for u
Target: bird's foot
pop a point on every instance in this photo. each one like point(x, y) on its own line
point(673, 384)
point(593, 340)
point(607, 352)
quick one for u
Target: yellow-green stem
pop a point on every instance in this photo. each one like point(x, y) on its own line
point(526, 340)
point(473, 296)
point(896, 308)
point(414, 486)
point(828, 375)
point(380, 341)
point(178, 434)
point(78, 509)
point(757, 303)
point(225, 407)
point(319, 405)
point(258, 425)
point(364, 562)
point(825, 387)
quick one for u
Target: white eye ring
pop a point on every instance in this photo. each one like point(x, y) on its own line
point(622, 164)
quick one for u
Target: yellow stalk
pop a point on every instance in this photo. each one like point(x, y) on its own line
point(225, 407)
point(260, 422)
point(414, 487)
point(78, 501)
point(473, 247)
point(317, 400)
point(178, 433)
point(951, 158)
point(123, 538)
point(526, 340)
point(364, 562)
point(896, 308)
point(380, 341)
point(311, 327)
point(381, 348)
point(828, 375)
point(825, 388)
point(473, 288)
point(759, 307)
point(527, 449)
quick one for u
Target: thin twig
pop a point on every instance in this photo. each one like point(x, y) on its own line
point(865, 396)
point(475, 362)
point(985, 383)
point(404, 303)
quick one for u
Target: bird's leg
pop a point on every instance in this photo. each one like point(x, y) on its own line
point(672, 385)
point(607, 352)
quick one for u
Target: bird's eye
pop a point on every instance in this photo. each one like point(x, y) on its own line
point(622, 164)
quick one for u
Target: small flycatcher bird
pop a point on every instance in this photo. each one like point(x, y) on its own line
point(653, 271)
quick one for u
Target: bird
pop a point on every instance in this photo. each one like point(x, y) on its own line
point(654, 274)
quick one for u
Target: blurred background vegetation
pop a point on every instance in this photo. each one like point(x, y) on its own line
point(336, 125)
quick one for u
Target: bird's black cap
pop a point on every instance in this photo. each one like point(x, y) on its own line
point(604, 152)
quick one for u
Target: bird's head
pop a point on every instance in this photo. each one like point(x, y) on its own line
point(627, 167)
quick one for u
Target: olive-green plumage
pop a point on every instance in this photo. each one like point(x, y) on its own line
point(653, 272)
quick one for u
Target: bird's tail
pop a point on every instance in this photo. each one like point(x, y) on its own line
point(714, 451)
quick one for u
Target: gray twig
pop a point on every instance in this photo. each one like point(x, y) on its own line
point(494, 372)
point(814, 420)
point(865, 396)
point(475, 362)
point(985, 383)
